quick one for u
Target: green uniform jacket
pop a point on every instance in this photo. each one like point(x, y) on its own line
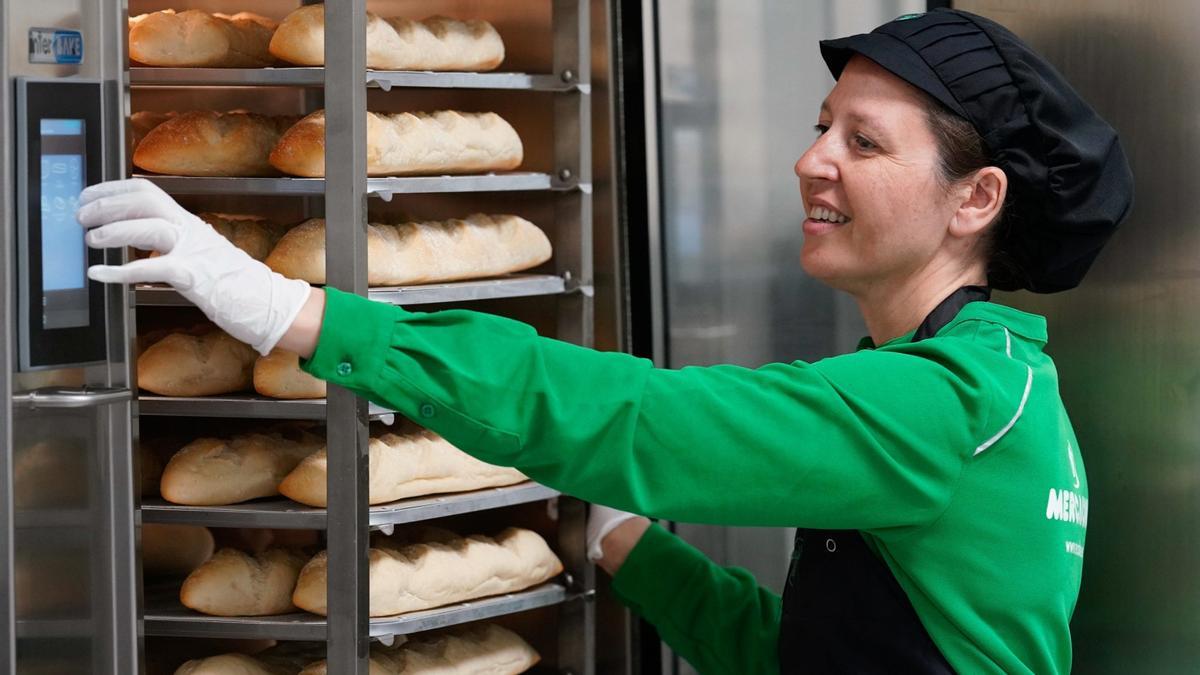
point(953, 455)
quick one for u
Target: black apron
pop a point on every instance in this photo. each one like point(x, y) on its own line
point(843, 611)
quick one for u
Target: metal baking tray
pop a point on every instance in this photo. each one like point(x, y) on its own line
point(383, 188)
point(286, 514)
point(243, 406)
point(507, 286)
point(315, 77)
point(165, 616)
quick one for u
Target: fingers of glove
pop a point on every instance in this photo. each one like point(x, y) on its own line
point(151, 234)
point(128, 207)
point(113, 188)
point(151, 270)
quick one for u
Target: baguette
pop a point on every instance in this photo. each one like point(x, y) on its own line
point(421, 252)
point(255, 235)
point(400, 466)
point(143, 121)
point(174, 550)
point(278, 375)
point(214, 472)
point(436, 43)
point(182, 364)
point(438, 570)
point(197, 39)
point(233, 583)
point(403, 144)
point(474, 649)
point(206, 143)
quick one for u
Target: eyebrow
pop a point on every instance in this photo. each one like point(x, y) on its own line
point(870, 122)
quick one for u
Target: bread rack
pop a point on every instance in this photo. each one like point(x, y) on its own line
point(348, 520)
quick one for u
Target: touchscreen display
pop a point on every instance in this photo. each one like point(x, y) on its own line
point(64, 254)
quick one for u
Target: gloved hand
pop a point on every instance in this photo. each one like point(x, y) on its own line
point(601, 521)
point(241, 295)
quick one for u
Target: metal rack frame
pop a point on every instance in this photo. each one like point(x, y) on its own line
point(348, 518)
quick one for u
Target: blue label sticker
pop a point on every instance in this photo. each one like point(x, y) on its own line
point(55, 45)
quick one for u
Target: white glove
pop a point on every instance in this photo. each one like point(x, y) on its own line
point(601, 521)
point(241, 295)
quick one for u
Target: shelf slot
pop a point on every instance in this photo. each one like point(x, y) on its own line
point(315, 77)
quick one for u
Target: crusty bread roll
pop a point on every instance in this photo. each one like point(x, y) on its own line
point(47, 475)
point(439, 569)
point(196, 39)
point(206, 143)
point(437, 43)
point(174, 550)
point(421, 252)
point(142, 122)
point(405, 144)
point(253, 234)
point(212, 472)
point(474, 649)
point(183, 364)
point(278, 375)
point(416, 463)
point(286, 658)
point(233, 583)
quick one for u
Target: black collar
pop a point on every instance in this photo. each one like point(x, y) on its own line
point(949, 308)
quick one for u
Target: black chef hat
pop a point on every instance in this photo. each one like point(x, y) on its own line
point(1069, 182)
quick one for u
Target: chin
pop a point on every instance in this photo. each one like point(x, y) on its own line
point(826, 269)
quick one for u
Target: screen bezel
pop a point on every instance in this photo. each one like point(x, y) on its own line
point(36, 100)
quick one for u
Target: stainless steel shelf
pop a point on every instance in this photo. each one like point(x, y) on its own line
point(165, 616)
point(241, 406)
point(508, 286)
point(315, 77)
point(286, 514)
point(43, 629)
point(384, 188)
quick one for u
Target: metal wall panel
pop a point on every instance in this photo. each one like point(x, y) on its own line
point(1127, 342)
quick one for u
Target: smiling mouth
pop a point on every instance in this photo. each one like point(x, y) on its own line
point(823, 214)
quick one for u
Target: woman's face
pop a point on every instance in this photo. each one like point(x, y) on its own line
point(876, 213)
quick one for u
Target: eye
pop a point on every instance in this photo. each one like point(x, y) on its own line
point(820, 128)
point(863, 142)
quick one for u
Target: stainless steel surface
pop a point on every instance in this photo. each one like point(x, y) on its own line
point(71, 398)
point(1126, 341)
point(241, 407)
point(508, 286)
point(286, 514)
point(8, 636)
point(166, 617)
point(346, 262)
point(384, 188)
point(315, 77)
point(71, 583)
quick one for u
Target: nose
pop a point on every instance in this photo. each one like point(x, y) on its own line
point(817, 162)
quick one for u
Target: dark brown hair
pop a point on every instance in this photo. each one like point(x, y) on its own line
point(961, 152)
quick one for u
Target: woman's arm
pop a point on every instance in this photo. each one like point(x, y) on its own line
point(871, 440)
point(718, 619)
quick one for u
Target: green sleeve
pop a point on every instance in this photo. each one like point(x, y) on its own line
point(871, 440)
point(717, 618)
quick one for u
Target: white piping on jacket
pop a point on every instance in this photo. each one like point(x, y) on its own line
point(1020, 409)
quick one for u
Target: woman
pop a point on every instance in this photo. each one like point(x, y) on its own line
point(934, 471)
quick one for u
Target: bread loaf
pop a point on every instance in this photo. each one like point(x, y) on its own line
point(46, 475)
point(437, 43)
point(286, 658)
point(196, 39)
point(142, 122)
point(183, 364)
point(474, 649)
point(253, 234)
point(416, 463)
point(213, 472)
point(174, 550)
point(421, 252)
point(206, 143)
point(406, 144)
point(438, 570)
point(278, 375)
point(233, 583)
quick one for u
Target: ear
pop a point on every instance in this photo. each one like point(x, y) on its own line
point(982, 200)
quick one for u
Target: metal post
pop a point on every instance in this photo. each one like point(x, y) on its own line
point(345, 261)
